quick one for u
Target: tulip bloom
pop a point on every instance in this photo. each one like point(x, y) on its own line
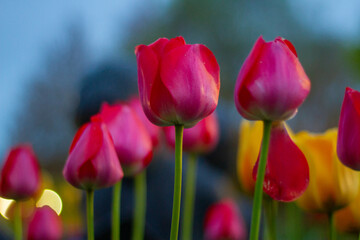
point(224, 221)
point(178, 83)
point(20, 175)
point(131, 139)
point(349, 130)
point(272, 83)
point(287, 171)
point(332, 185)
point(153, 130)
point(200, 139)
point(45, 224)
point(92, 161)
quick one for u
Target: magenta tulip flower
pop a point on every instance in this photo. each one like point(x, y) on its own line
point(92, 161)
point(349, 130)
point(131, 139)
point(200, 139)
point(224, 221)
point(45, 224)
point(178, 83)
point(272, 83)
point(20, 175)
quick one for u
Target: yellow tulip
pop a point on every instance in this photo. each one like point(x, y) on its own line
point(332, 185)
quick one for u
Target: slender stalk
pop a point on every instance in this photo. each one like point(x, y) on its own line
point(190, 190)
point(179, 129)
point(116, 198)
point(332, 226)
point(271, 208)
point(90, 213)
point(18, 222)
point(256, 212)
point(359, 236)
point(140, 206)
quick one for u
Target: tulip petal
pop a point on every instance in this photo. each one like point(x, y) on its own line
point(174, 43)
point(287, 171)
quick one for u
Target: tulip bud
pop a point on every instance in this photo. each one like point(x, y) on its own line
point(287, 171)
point(349, 130)
point(92, 161)
point(200, 139)
point(45, 224)
point(332, 185)
point(153, 130)
point(224, 221)
point(178, 83)
point(20, 175)
point(272, 83)
point(131, 140)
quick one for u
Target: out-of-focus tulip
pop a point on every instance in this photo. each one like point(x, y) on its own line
point(20, 175)
point(200, 139)
point(248, 151)
point(349, 130)
point(224, 221)
point(348, 218)
point(332, 185)
point(92, 161)
point(272, 83)
point(178, 83)
point(131, 139)
point(287, 171)
point(152, 129)
point(45, 224)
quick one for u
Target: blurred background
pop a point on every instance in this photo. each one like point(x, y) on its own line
point(60, 59)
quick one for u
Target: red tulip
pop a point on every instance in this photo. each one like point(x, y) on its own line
point(272, 83)
point(223, 221)
point(45, 224)
point(92, 161)
point(287, 171)
point(201, 138)
point(153, 130)
point(20, 175)
point(131, 139)
point(349, 130)
point(178, 83)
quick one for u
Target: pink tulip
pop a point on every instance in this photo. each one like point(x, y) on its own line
point(178, 83)
point(224, 221)
point(153, 130)
point(349, 130)
point(131, 139)
point(272, 83)
point(20, 175)
point(202, 138)
point(45, 224)
point(92, 161)
point(287, 171)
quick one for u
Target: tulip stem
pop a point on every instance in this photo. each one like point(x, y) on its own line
point(90, 213)
point(179, 129)
point(18, 222)
point(116, 198)
point(256, 211)
point(271, 208)
point(190, 190)
point(332, 226)
point(140, 206)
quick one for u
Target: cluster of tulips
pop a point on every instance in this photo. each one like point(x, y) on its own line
point(179, 87)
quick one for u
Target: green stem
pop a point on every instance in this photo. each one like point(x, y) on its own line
point(190, 190)
point(271, 208)
point(332, 226)
point(18, 222)
point(116, 198)
point(256, 212)
point(140, 206)
point(179, 129)
point(90, 213)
